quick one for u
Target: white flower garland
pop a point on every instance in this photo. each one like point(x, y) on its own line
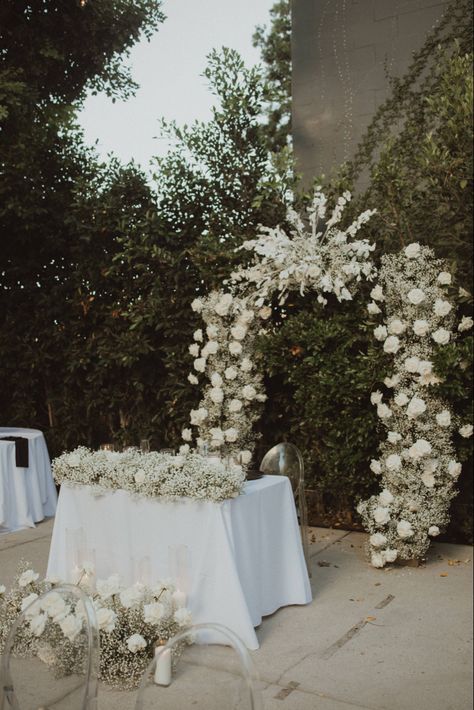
point(325, 259)
point(417, 461)
point(130, 620)
point(153, 475)
point(226, 368)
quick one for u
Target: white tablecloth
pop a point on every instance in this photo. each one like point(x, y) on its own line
point(245, 555)
point(27, 495)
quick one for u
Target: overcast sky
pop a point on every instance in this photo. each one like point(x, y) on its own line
point(169, 70)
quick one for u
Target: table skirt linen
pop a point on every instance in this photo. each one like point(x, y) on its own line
point(245, 554)
point(27, 495)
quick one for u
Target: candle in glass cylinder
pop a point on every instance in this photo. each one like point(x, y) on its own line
point(163, 664)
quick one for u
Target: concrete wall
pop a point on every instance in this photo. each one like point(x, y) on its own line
point(339, 48)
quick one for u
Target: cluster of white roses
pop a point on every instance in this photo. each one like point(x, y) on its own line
point(152, 475)
point(130, 621)
point(229, 377)
point(325, 260)
point(417, 460)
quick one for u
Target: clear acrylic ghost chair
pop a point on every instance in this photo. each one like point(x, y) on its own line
point(286, 460)
point(207, 667)
point(55, 673)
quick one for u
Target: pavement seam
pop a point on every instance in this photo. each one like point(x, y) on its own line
point(25, 542)
point(330, 544)
point(301, 689)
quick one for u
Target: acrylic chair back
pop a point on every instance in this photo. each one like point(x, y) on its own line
point(51, 656)
point(205, 667)
point(285, 459)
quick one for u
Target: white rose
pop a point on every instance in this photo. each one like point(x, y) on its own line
point(376, 397)
point(194, 350)
point(108, 587)
point(216, 379)
point(421, 327)
point(27, 577)
point(231, 434)
point(245, 456)
point(375, 466)
point(465, 324)
point(373, 309)
point(187, 434)
point(444, 278)
point(416, 296)
point(135, 643)
point(184, 449)
point(385, 497)
point(390, 555)
point(394, 437)
point(393, 462)
point(183, 616)
point(132, 596)
point(106, 619)
point(433, 530)
point(381, 515)
point(377, 293)
point(265, 312)
point(383, 411)
point(413, 250)
point(412, 364)
point(139, 477)
point(217, 436)
point(247, 316)
point(416, 407)
point(401, 399)
point(238, 332)
point(53, 604)
point(71, 626)
point(73, 460)
point(441, 308)
point(425, 367)
point(212, 331)
point(443, 418)
point(377, 540)
point(392, 344)
point(235, 348)
point(235, 405)
point(216, 394)
point(380, 332)
point(441, 336)
point(466, 431)
point(197, 305)
point(249, 392)
point(428, 479)
point(197, 335)
point(223, 305)
point(200, 364)
point(153, 613)
point(392, 381)
point(210, 348)
point(246, 365)
point(431, 465)
point(377, 560)
point(193, 379)
point(37, 624)
point(230, 373)
point(397, 327)
point(404, 529)
point(454, 468)
point(26, 603)
point(420, 448)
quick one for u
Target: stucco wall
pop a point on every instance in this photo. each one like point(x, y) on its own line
point(339, 48)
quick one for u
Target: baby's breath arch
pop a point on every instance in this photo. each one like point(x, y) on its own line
point(325, 259)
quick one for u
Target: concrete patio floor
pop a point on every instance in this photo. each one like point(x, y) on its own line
point(393, 639)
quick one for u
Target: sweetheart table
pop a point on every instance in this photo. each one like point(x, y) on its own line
point(244, 555)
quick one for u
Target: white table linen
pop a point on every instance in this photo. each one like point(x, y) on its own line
point(27, 495)
point(245, 554)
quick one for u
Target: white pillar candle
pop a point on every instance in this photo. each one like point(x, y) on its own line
point(163, 666)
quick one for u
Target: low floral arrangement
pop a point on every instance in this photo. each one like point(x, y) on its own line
point(417, 461)
point(226, 369)
point(151, 474)
point(130, 620)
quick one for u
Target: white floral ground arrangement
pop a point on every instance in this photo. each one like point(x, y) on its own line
point(417, 461)
point(153, 475)
point(324, 260)
point(131, 621)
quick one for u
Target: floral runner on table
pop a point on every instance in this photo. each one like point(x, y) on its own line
point(151, 474)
